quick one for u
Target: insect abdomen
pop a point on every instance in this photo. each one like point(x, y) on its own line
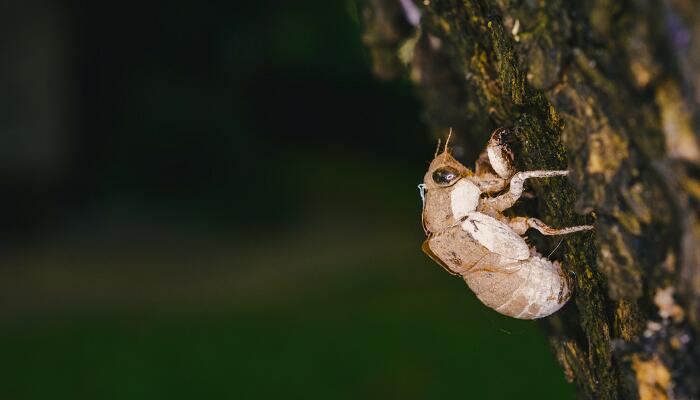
point(527, 289)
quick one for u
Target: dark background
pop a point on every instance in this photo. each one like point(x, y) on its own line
point(218, 200)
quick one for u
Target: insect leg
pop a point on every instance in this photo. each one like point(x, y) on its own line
point(483, 165)
point(499, 153)
point(517, 183)
point(486, 178)
point(548, 230)
point(491, 184)
point(518, 224)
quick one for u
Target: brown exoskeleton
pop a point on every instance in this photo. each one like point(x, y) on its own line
point(469, 235)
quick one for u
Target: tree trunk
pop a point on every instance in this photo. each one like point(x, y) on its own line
point(610, 90)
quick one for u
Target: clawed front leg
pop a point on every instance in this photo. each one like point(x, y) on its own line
point(491, 184)
point(521, 224)
point(517, 183)
point(486, 178)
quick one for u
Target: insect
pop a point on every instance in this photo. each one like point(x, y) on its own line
point(469, 236)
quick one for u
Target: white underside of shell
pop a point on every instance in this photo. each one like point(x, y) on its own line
point(496, 236)
point(464, 198)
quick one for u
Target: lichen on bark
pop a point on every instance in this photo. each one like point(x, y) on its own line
point(607, 90)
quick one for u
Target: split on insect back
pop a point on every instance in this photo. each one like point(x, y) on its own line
point(469, 236)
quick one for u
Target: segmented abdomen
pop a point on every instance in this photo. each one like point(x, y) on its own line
point(527, 289)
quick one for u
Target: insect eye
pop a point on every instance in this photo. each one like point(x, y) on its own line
point(445, 176)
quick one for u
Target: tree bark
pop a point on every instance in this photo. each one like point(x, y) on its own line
point(610, 90)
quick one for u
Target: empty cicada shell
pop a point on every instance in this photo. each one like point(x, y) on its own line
point(468, 234)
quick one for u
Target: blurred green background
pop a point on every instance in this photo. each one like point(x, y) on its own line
point(217, 200)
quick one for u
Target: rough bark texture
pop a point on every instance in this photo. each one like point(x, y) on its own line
point(610, 90)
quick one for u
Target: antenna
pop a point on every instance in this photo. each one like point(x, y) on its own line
point(437, 148)
point(449, 135)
